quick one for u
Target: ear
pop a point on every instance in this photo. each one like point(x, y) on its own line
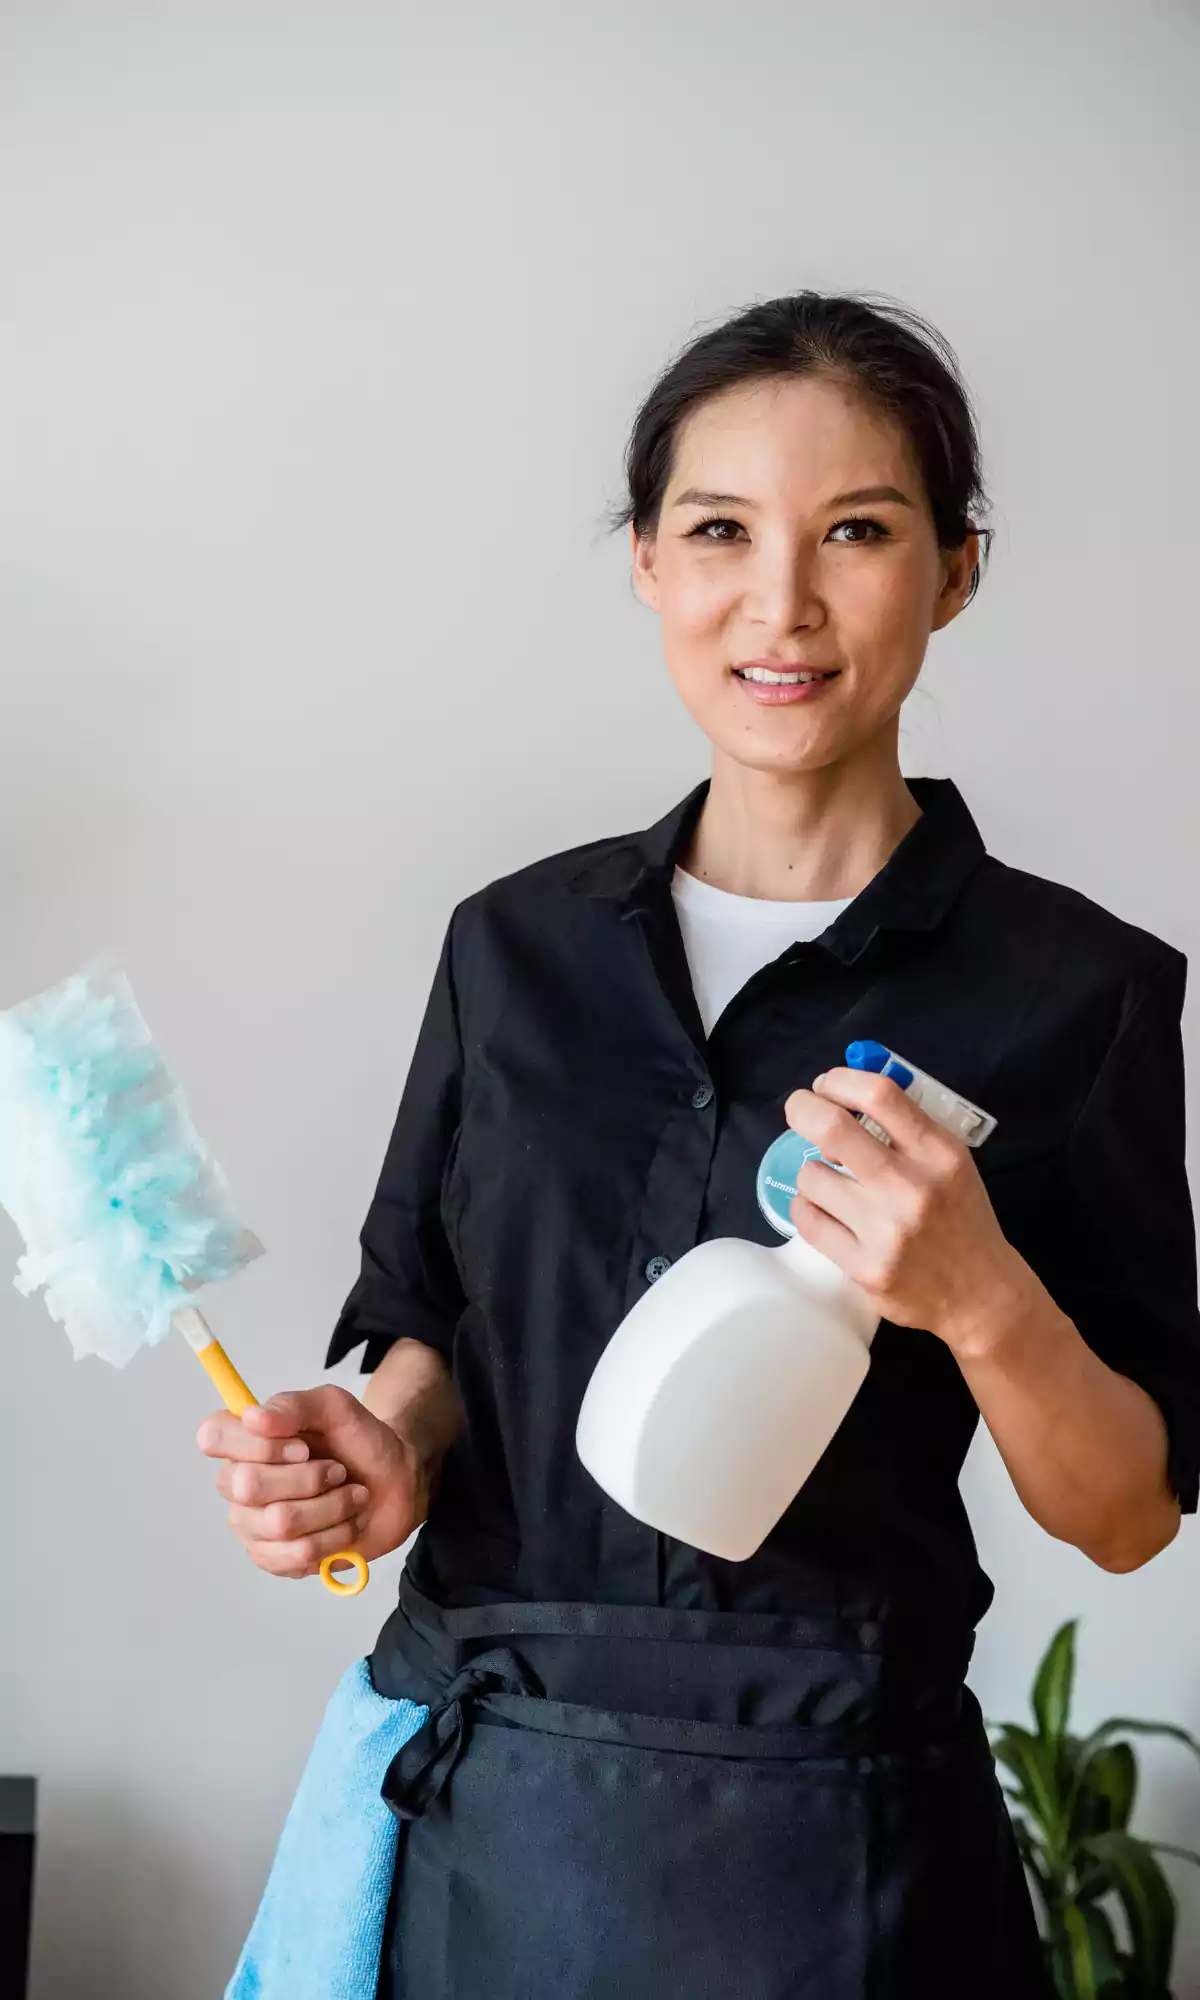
point(958, 569)
point(643, 549)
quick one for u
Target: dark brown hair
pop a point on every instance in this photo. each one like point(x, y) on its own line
point(896, 360)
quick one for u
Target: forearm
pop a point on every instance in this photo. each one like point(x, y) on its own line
point(412, 1392)
point(1085, 1447)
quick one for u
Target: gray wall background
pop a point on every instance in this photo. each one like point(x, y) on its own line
point(322, 328)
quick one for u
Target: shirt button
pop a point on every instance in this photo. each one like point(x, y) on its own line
point(702, 1097)
point(656, 1267)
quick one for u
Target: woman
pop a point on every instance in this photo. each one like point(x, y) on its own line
point(648, 1770)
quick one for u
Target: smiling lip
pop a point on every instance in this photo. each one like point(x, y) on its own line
point(773, 694)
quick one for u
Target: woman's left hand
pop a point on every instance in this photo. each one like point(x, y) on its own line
point(914, 1227)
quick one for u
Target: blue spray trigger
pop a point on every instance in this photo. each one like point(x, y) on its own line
point(873, 1056)
point(867, 1055)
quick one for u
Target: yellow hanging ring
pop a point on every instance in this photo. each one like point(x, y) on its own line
point(358, 1564)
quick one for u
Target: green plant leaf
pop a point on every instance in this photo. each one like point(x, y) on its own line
point(1091, 1953)
point(1058, 1964)
point(1055, 1679)
point(1035, 1862)
point(1102, 1797)
point(1181, 1853)
point(1070, 1765)
point(1092, 1880)
point(1082, 1958)
point(1058, 1960)
point(1032, 1764)
point(1127, 1725)
point(1071, 1747)
point(1146, 1897)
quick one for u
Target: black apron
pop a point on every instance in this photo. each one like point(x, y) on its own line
point(613, 1802)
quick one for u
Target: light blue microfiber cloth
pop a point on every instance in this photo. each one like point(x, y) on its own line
point(319, 1927)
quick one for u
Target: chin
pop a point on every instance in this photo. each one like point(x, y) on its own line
point(786, 741)
point(795, 748)
point(790, 763)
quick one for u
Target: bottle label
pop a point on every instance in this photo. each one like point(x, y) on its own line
point(776, 1184)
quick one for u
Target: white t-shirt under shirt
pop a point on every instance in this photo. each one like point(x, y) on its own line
point(729, 938)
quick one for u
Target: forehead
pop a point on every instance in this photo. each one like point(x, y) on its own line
point(791, 437)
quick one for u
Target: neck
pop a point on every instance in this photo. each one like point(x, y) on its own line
point(807, 836)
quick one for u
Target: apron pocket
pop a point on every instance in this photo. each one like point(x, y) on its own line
point(560, 1863)
point(564, 1867)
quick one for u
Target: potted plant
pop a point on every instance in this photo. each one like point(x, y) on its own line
point(1073, 1798)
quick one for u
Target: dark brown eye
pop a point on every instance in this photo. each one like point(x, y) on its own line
point(878, 531)
point(711, 521)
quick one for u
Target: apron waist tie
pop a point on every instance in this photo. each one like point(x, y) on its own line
point(422, 1766)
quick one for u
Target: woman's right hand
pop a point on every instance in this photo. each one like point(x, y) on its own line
point(313, 1471)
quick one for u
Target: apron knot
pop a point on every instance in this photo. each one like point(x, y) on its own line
point(421, 1766)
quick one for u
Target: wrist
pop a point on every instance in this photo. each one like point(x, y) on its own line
point(424, 1468)
point(1002, 1318)
point(411, 1433)
point(412, 1393)
point(422, 1428)
point(424, 1455)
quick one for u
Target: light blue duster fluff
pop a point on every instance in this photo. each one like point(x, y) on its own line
point(125, 1214)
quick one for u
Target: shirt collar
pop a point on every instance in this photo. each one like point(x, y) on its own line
point(912, 891)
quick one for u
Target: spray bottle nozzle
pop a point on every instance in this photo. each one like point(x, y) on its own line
point(776, 1186)
point(873, 1056)
point(957, 1114)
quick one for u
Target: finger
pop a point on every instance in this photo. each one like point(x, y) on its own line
point(830, 1124)
point(257, 1485)
point(273, 1419)
point(303, 1556)
point(839, 1135)
point(826, 1233)
point(909, 1128)
point(292, 1520)
point(836, 1194)
point(296, 1410)
point(222, 1435)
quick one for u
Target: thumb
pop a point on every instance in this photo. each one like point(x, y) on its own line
point(280, 1416)
point(294, 1410)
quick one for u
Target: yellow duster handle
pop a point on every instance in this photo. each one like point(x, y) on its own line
point(236, 1397)
point(224, 1377)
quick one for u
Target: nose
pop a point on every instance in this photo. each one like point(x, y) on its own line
point(782, 588)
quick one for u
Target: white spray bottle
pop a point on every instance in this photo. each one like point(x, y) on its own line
point(724, 1384)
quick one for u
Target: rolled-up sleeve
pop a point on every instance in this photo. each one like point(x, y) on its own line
point(1128, 1256)
point(408, 1286)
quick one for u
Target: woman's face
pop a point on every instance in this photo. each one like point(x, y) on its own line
point(777, 544)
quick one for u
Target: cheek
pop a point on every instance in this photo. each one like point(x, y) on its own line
point(882, 596)
point(696, 601)
point(884, 621)
point(694, 669)
point(694, 614)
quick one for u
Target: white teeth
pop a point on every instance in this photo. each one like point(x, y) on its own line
point(769, 679)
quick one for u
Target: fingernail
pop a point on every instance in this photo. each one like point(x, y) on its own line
point(295, 1451)
point(819, 1080)
point(359, 1496)
point(334, 1475)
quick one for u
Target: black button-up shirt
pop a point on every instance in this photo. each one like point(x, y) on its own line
point(567, 1130)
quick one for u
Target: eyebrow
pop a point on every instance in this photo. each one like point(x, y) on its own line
point(695, 496)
